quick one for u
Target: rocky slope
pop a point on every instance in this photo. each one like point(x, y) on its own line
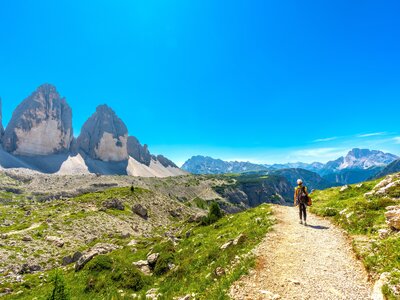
point(41, 124)
point(312, 180)
point(394, 167)
point(40, 137)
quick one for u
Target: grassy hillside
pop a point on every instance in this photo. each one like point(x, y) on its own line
point(190, 257)
point(360, 210)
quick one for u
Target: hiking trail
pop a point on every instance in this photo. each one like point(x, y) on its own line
point(299, 262)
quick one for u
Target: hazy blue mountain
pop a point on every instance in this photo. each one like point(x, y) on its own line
point(394, 167)
point(311, 179)
point(208, 165)
point(358, 165)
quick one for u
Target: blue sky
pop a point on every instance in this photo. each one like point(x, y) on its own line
point(266, 81)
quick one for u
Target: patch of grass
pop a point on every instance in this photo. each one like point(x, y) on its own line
point(195, 259)
point(362, 217)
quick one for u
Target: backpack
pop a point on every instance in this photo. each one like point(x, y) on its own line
point(302, 197)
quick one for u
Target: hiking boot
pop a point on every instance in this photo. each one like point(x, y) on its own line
point(305, 223)
point(301, 222)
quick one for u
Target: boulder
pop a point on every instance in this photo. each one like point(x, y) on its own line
point(40, 125)
point(153, 294)
point(71, 259)
point(344, 188)
point(226, 245)
point(393, 217)
point(95, 250)
point(239, 240)
point(104, 136)
point(152, 259)
point(59, 242)
point(27, 238)
point(114, 204)
point(140, 211)
point(27, 269)
point(143, 265)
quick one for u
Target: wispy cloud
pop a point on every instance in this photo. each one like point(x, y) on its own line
point(326, 139)
point(316, 154)
point(396, 140)
point(371, 134)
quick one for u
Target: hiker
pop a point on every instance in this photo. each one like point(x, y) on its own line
point(301, 200)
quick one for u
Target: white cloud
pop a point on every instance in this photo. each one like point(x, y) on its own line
point(396, 140)
point(371, 134)
point(326, 139)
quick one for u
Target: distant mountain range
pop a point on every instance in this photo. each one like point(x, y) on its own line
point(357, 166)
point(40, 137)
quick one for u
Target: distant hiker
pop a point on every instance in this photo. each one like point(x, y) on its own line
point(301, 200)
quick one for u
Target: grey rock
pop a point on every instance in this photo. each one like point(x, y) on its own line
point(187, 297)
point(41, 124)
point(104, 136)
point(143, 266)
point(71, 259)
point(27, 269)
point(240, 239)
point(27, 238)
point(140, 211)
point(226, 245)
point(152, 259)
point(96, 250)
point(114, 204)
point(59, 242)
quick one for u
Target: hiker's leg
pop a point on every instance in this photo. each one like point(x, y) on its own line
point(300, 212)
point(305, 212)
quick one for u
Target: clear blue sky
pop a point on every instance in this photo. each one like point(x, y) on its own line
point(268, 81)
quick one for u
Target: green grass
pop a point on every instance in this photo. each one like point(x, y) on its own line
point(362, 217)
point(195, 258)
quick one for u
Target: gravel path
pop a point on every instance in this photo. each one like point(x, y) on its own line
point(298, 262)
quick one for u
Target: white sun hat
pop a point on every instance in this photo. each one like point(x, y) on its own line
point(299, 181)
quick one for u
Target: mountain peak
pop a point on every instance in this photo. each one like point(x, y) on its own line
point(40, 125)
point(104, 136)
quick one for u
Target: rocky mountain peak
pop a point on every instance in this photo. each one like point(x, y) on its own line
point(40, 125)
point(1, 121)
point(138, 152)
point(104, 136)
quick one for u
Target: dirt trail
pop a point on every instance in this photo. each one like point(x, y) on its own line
point(298, 262)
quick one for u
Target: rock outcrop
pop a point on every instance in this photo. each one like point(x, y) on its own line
point(104, 136)
point(41, 124)
point(139, 152)
point(165, 161)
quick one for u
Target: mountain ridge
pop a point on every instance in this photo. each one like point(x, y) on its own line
point(40, 137)
point(357, 166)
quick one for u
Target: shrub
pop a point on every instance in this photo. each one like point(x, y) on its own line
point(100, 263)
point(132, 279)
point(214, 214)
point(162, 264)
point(59, 291)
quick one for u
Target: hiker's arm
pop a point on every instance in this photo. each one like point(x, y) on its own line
point(295, 197)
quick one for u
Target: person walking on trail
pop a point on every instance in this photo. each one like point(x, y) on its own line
point(301, 200)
